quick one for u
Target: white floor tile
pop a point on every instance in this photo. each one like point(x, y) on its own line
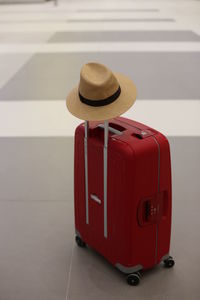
point(51, 118)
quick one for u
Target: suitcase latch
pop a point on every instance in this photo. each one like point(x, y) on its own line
point(152, 209)
point(142, 134)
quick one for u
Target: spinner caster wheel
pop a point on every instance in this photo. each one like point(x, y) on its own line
point(133, 279)
point(169, 262)
point(80, 242)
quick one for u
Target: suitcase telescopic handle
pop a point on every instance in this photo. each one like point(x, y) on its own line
point(105, 162)
point(86, 171)
point(105, 175)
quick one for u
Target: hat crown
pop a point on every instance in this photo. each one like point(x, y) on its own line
point(97, 82)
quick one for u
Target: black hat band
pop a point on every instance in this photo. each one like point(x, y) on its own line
point(101, 102)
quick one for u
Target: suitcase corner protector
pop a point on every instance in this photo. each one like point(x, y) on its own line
point(166, 256)
point(77, 233)
point(128, 270)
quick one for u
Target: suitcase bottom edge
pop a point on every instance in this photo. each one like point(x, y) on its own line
point(123, 268)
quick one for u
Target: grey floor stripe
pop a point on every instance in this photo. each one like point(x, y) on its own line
point(91, 20)
point(125, 20)
point(88, 10)
point(120, 10)
point(136, 36)
point(34, 175)
point(157, 75)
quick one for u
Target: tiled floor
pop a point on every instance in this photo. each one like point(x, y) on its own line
point(37, 228)
point(88, 36)
point(42, 47)
point(156, 75)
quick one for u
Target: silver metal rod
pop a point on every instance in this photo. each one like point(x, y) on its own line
point(105, 152)
point(86, 170)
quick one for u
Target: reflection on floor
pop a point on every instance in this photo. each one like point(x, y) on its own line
point(156, 75)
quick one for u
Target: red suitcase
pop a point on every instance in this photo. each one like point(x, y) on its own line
point(122, 191)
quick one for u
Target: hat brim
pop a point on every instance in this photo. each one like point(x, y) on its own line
point(90, 113)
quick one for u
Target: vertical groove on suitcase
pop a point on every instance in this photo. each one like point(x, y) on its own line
point(156, 250)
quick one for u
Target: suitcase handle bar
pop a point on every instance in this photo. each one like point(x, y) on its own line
point(105, 175)
point(105, 156)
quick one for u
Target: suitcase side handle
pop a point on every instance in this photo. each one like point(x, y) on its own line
point(95, 198)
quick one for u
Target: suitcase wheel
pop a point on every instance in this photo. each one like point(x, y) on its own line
point(80, 242)
point(133, 279)
point(169, 262)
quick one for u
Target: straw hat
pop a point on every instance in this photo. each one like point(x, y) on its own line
point(101, 94)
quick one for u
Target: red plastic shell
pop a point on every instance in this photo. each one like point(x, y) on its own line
point(139, 172)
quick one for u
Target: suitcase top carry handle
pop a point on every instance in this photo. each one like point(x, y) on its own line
point(134, 131)
point(111, 129)
point(139, 132)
